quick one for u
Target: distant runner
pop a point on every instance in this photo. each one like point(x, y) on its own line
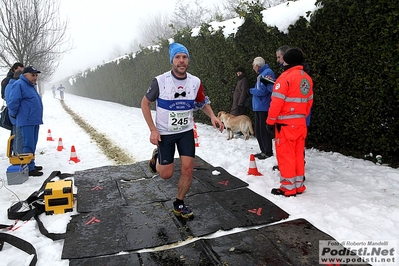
point(61, 89)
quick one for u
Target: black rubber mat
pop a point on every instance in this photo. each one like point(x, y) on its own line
point(249, 207)
point(195, 253)
point(95, 194)
point(169, 186)
point(288, 243)
point(118, 229)
point(134, 171)
point(94, 234)
point(293, 242)
point(247, 248)
point(230, 209)
point(126, 209)
point(209, 215)
point(98, 185)
point(113, 260)
point(150, 225)
point(221, 182)
point(141, 191)
point(144, 224)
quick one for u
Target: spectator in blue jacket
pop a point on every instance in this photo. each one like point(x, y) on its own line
point(17, 143)
point(261, 98)
point(26, 107)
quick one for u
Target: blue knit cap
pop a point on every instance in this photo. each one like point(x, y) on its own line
point(176, 48)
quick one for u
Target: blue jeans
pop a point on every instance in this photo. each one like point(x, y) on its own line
point(30, 136)
point(18, 140)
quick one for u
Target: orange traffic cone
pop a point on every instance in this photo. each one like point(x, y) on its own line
point(195, 129)
point(60, 147)
point(73, 155)
point(196, 138)
point(49, 137)
point(253, 170)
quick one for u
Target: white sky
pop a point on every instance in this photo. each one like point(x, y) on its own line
point(97, 27)
point(347, 198)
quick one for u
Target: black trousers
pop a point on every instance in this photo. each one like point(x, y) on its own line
point(262, 135)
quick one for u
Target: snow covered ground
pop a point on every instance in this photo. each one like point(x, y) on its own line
point(347, 198)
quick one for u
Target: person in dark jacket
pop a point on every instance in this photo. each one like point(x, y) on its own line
point(17, 66)
point(241, 92)
point(262, 93)
point(17, 143)
point(26, 107)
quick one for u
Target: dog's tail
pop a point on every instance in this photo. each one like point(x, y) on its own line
point(251, 130)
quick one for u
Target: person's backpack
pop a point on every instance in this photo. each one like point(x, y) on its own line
point(5, 121)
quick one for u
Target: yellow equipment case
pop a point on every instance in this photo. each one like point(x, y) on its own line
point(19, 159)
point(58, 197)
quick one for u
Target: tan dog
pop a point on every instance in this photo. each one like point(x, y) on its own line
point(236, 123)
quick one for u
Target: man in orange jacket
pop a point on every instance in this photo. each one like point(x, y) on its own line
point(292, 99)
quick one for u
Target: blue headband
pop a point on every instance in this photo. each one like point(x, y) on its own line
point(176, 48)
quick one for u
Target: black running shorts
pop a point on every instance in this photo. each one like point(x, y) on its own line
point(167, 146)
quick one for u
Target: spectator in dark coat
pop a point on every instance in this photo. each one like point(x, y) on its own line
point(17, 66)
point(18, 141)
point(241, 92)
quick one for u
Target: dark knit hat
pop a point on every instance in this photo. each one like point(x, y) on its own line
point(294, 56)
point(176, 48)
point(241, 69)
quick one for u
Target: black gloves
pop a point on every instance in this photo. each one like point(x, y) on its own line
point(271, 130)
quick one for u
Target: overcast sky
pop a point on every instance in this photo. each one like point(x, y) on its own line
point(97, 27)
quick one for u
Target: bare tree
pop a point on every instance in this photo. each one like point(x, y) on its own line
point(31, 32)
point(134, 45)
point(189, 14)
point(155, 29)
point(116, 52)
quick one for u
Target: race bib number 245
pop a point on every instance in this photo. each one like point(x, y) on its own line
point(178, 120)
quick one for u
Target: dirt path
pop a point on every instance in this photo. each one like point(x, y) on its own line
point(112, 151)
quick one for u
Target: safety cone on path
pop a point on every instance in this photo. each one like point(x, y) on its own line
point(253, 170)
point(60, 147)
point(195, 129)
point(73, 157)
point(196, 138)
point(49, 137)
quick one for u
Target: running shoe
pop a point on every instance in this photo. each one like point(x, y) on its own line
point(183, 211)
point(152, 163)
